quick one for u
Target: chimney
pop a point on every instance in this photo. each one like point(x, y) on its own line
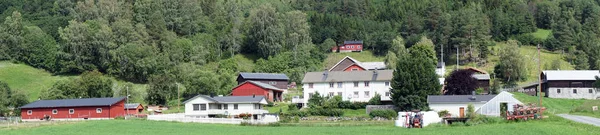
point(253, 95)
point(212, 95)
point(375, 73)
point(325, 74)
point(473, 95)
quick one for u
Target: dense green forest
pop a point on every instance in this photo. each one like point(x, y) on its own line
point(192, 43)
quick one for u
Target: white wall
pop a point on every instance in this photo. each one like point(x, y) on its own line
point(568, 93)
point(242, 108)
point(348, 90)
point(453, 108)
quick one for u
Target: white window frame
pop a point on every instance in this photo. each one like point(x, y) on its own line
point(71, 111)
point(54, 111)
point(339, 93)
point(355, 94)
point(340, 84)
point(331, 84)
point(355, 84)
point(367, 83)
point(235, 106)
point(387, 83)
point(29, 112)
point(331, 94)
point(574, 91)
point(310, 85)
point(195, 107)
point(557, 90)
point(367, 94)
point(98, 110)
point(387, 94)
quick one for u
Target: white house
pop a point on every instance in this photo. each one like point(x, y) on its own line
point(205, 106)
point(456, 105)
point(572, 84)
point(355, 86)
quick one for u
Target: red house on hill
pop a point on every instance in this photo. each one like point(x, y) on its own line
point(349, 46)
point(249, 88)
point(74, 109)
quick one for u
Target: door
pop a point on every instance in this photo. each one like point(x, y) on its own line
point(461, 110)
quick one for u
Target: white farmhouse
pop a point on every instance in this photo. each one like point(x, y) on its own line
point(203, 106)
point(355, 86)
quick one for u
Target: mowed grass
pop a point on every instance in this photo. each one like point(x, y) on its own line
point(25, 78)
point(541, 33)
point(364, 56)
point(555, 126)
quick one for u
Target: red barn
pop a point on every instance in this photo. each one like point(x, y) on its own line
point(73, 109)
point(250, 88)
point(349, 46)
point(134, 108)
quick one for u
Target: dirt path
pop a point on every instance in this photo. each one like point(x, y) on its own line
point(582, 119)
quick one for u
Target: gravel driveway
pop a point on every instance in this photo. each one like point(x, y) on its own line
point(582, 119)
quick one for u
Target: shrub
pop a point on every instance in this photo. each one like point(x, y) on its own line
point(333, 102)
point(345, 105)
point(375, 100)
point(119, 118)
point(220, 116)
point(292, 107)
point(298, 113)
point(326, 112)
point(471, 111)
point(443, 113)
point(389, 114)
point(270, 104)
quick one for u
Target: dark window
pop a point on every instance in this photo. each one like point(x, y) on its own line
point(387, 83)
point(355, 84)
point(310, 85)
point(54, 111)
point(310, 95)
point(331, 94)
point(225, 106)
point(340, 84)
point(98, 110)
point(235, 106)
point(557, 90)
point(575, 91)
point(366, 83)
point(367, 95)
point(591, 91)
point(29, 112)
point(339, 93)
point(203, 107)
point(354, 69)
point(330, 85)
point(387, 94)
point(71, 111)
point(196, 107)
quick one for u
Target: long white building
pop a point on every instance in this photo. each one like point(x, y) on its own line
point(355, 86)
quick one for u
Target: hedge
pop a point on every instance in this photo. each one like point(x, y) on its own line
point(390, 114)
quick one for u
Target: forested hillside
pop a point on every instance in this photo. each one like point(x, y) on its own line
point(202, 44)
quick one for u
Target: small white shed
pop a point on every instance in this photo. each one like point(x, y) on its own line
point(483, 104)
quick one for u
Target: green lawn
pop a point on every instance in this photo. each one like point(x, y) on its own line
point(26, 78)
point(542, 33)
point(137, 127)
point(558, 106)
point(364, 56)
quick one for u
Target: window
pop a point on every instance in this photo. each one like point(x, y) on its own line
point(387, 94)
point(330, 85)
point(235, 106)
point(257, 106)
point(557, 90)
point(354, 69)
point(591, 91)
point(54, 111)
point(339, 93)
point(310, 95)
point(356, 94)
point(71, 111)
point(219, 107)
point(29, 112)
point(366, 83)
point(367, 94)
point(310, 85)
point(225, 106)
point(203, 107)
point(98, 110)
point(196, 107)
point(574, 91)
point(387, 83)
point(273, 82)
point(355, 84)
point(340, 84)
point(331, 94)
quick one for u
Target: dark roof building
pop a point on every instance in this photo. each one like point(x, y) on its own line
point(278, 80)
point(74, 109)
point(73, 102)
point(458, 98)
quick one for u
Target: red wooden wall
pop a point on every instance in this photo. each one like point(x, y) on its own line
point(248, 89)
point(80, 112)
point(354, 67)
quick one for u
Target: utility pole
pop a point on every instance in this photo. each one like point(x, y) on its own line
point(127, 87)
point(442, 60)
point(178, 101)
point(540, 79)
point(457, 57)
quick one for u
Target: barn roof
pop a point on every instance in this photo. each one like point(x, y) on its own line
point(342, 76)
point(264, 76)
point(231, 99)
point(458, 98)
point(571, 74)
point(73, 102)
point(131, 105)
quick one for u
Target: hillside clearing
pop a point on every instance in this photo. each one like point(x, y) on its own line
point(27, 79)
point(364, 56)
point(541, 33)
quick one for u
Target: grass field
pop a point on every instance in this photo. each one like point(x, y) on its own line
point(558, 106)
point(137, 127)
point(364, 56)
point(542, 33)
point(28, 79)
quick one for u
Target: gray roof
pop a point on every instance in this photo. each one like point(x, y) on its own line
point(373, 65)
point(73, 102)
point(342, 76)
point(265, 76)
point(353, 42)
point(571, 74)
point(458, 98)
point(481, 76)
point(262, 85)
point(231, 99)
point(131, 105)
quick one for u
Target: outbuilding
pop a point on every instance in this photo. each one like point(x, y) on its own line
point(74, 109)
point(255, 88)
point(134, 108)
point(456, 105)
